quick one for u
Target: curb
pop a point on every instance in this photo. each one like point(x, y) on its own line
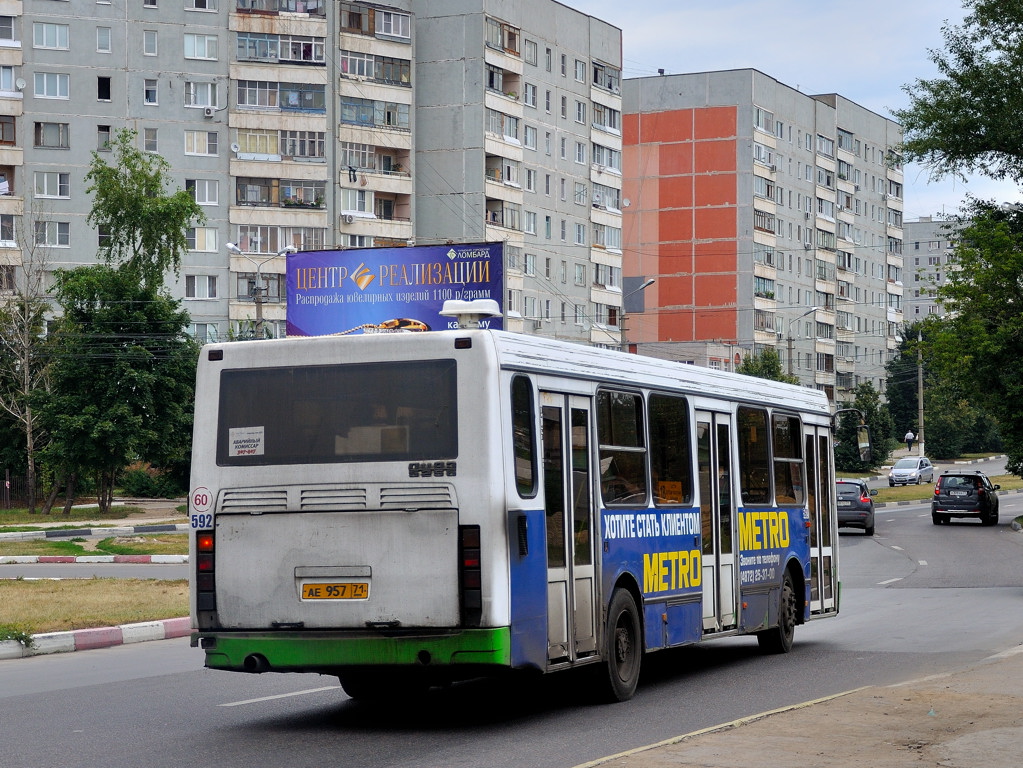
point(136, 559)
point(100, 637)
point(89, 532)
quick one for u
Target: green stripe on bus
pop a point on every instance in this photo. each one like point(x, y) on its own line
point(294, 651)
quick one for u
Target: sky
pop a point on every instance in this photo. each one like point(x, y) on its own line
point(865, 51)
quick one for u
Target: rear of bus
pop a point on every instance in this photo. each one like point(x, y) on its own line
point(340, 507)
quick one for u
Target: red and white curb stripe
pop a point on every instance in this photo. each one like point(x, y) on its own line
point(101, 637)
point(172, 559)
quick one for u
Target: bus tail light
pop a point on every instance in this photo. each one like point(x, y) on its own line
point(205, 578)
point(470, 575)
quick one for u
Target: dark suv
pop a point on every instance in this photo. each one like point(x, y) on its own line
point(964, 494)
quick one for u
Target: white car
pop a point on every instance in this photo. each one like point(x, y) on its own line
point(911, 471)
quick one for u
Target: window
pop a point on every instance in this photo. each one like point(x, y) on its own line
point(53, 233)
point(529, 51)
point(564, 106)
point(149, 3)
point(754, 466)
point(201, 5)
point(580, 152)
point(149, 46)
point(529, 136)
point(621, 446)
point(529, 95)
point(150, 92)
point(303, 97)
point(580, 234)
point(670, 466)
point(357, 200)
point(607, 119)
point(52, 184)
point(150, 141)
point(7, 130)
point(103, 134)
point(607, 157)
point(51, 85)
point(7, 82)
point(529, 223)
point(393, 24)
point(55, 36)
point(55, 135)
point(6, 277)
point(606, 76)
point(7, 230)
point(103, 43)
point(580, 274)
point(580, 112)
point(204, 94)
point(257, 93)
point(825, 146)
point(581, 193)
point(204, 191)
point(103, 88)
point(200, 142)
point(788, 459)
point(607, 237)
point(502, 36)
point(202, 239)
point(7, 28)
point(524, 433)
point(201, 47)
point(303, 144)
point(580, 71)
point(200, 286)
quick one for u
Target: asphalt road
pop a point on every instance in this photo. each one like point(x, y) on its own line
point(916, 599)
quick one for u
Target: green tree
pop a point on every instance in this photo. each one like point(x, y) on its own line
point(867, 401)
point(143, 228)
point(978, 349)
point(765, 364)
point(949, 420)
point(121, 377)
point(23, 360)
point(967, 119)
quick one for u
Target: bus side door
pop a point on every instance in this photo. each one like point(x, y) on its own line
point(568, 507)
point(717, 518)
point(820, 481)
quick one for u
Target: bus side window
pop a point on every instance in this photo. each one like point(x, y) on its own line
point(670, 464)
point(754, 455)
point(789, 484)
point(524, 436)
point(622, 448)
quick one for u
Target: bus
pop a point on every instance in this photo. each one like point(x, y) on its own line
point(404, 510)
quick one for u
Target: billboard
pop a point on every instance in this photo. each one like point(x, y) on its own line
point(360, 290)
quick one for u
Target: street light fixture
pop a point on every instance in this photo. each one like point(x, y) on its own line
point(642, 287)
point(793, 320)
point(259, 288)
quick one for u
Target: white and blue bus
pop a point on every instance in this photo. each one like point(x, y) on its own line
point(407, 509)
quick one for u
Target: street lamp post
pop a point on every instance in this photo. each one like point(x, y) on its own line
point(259, 288)
point(793, 320)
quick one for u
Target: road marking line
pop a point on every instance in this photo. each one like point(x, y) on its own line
point(281, 696)
point(895, 547)
point(922, 562)
point(889, 581)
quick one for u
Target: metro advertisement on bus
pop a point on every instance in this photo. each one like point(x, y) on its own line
point(366, 290)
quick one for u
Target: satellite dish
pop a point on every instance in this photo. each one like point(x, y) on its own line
point(20, 83)
point(626, 203)
point(236, 147)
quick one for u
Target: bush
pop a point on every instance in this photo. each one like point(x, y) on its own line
point(150, 484)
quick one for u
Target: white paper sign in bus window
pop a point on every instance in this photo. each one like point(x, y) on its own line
point(245, 441)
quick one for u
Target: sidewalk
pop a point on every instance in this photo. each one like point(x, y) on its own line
point(968, 718)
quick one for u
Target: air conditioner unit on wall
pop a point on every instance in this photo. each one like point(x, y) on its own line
point(347, 218)
point(208, 111)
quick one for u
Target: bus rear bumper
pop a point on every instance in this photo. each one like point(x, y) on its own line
point(329, 652)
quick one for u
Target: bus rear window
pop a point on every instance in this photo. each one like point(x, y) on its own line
point(338, 414)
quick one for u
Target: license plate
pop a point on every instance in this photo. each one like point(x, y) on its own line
point(957, 493)
point(345, 590)
point(845, 503)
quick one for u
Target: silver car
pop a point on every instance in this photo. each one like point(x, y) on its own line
point(911, 471)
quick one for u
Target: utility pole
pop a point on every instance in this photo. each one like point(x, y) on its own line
point(919, 394)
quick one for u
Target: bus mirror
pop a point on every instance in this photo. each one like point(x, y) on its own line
point(863, 442)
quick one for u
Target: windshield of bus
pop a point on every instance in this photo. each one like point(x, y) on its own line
point(338, 413)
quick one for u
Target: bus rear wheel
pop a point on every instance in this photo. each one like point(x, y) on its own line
point(623, 647)
point(779, 639)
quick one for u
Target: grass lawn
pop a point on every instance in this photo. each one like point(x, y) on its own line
point(55, 606)
point(149, 544)
point(21, 517)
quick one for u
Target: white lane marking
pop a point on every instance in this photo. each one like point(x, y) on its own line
point(281, 696)
point(895, 547)
point(922, 562)
point(889, 581)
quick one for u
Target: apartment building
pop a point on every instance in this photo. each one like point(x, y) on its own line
point(302, 125)
point(928, 250)
point(767, 218)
